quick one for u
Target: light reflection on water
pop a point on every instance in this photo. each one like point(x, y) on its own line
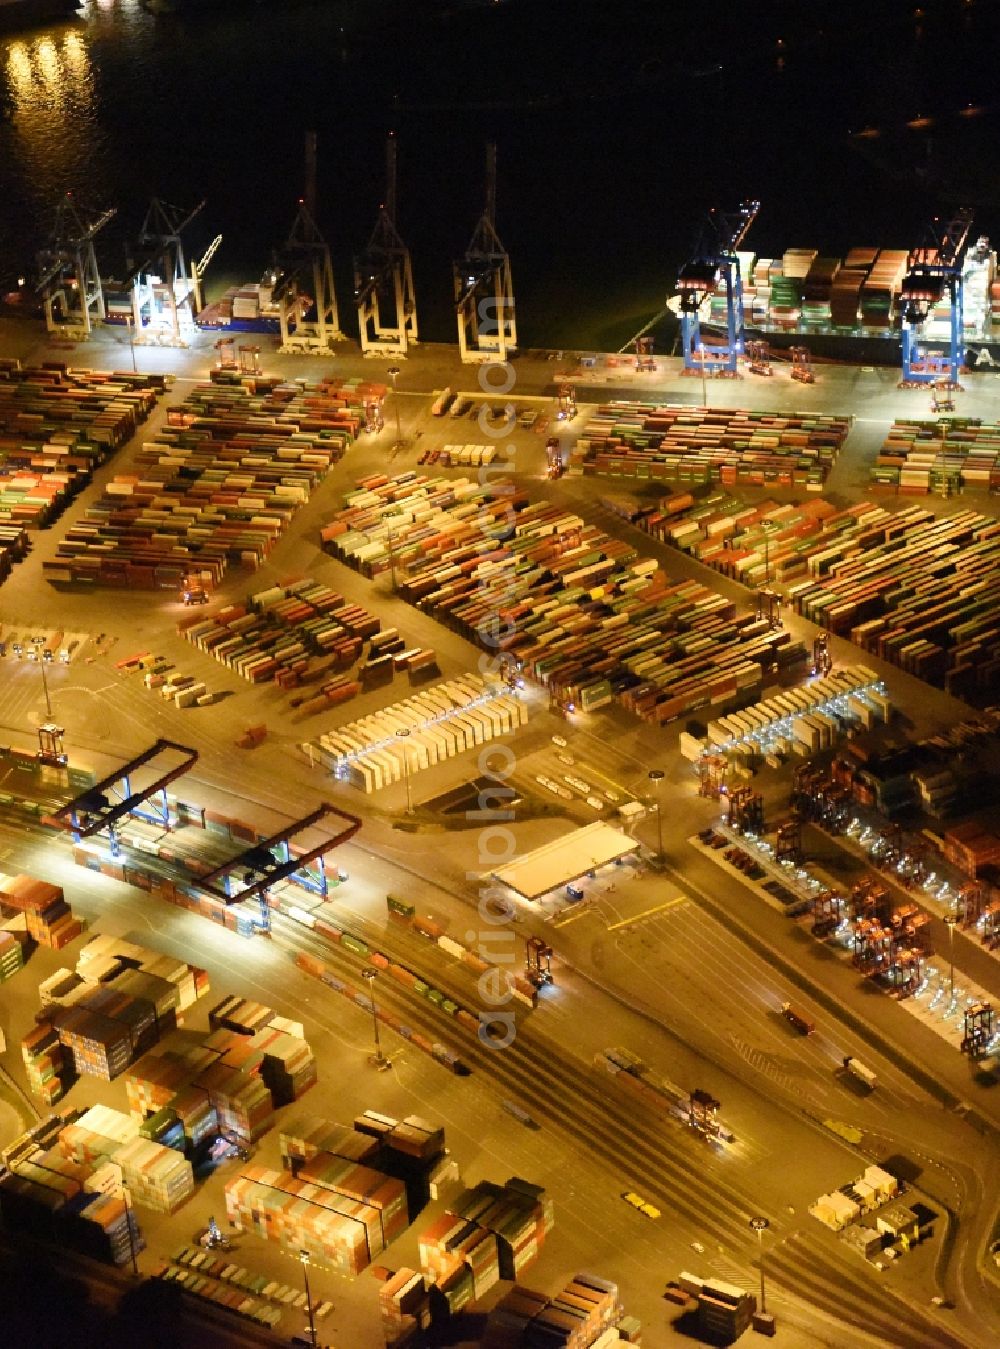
point(52, 108)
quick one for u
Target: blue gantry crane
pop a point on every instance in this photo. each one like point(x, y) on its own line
point(714, 259)
point(934, 269)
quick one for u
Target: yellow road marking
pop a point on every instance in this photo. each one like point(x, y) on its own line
point(572, 917)
point(660, 908)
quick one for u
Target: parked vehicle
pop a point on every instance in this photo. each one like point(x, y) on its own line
point(861, 1071)
point(795, 1018)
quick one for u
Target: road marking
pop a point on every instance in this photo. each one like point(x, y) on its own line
point(660, 908)
point(580, 912)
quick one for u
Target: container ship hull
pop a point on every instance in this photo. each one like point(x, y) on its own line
point(24, 14)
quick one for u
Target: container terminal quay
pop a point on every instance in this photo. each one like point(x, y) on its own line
point(745, 713)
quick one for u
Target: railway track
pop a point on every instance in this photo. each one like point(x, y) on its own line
point(669, 1166)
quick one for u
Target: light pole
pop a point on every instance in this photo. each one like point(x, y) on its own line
point(950, 921)
point(131, 342)
point(304, 1261)
point(392, 558)
point(370, 974)
point(656, 776)
point(403, 735)
point(45, 687)
point(393, 372)
point(760, 1226)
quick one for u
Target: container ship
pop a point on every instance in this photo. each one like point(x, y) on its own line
point(19, 14)
point(850, 308)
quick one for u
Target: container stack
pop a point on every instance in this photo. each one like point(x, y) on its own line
point(404, 1308)
point(106, 1229)
point(56, 427)
point(339, 1234)
point(218, 487)
point(385, 1194)
point(972, 848)
point(105, 958)
point(157, 1177)
point(494, 1231)
point(95, 1136)
point(13, 545)
point(582, 1315)
point(945, 456)
point(676, 442)
point(48, 1065)
point(908, 585)
point(291, 634)
point(11, 955)
point(240, 1015)
point(881, 288)
point(241, 1102)
point(440, 722)
point(408, 517)
point(304, 1136)
point(49, 918)
point(817, 290)
point(99, 1045)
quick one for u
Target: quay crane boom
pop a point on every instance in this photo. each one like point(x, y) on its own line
point(384, 273)
point(714, 259)
point(934, 269)
point(484, 290)
point(69, 281)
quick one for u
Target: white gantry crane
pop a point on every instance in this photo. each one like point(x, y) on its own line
point(164, 292)
point(484, 291)
point(303, 286)
point(383, 279)
point(69, 282)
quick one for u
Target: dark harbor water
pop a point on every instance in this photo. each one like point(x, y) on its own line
point(617, 125)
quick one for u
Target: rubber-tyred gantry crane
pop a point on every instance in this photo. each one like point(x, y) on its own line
point(934, 270)
point(163, 294)
point(138, 789)
point(383, 279)
point(713, 260)
point(69, 281)
point(484, 290)
point(303, 286)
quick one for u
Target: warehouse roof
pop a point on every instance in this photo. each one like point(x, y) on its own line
point(565, 859)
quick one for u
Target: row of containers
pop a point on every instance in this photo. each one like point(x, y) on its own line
point(912, 587)
point(423, 730)
point(217, 488)
point(14, 544)
point(675, 442)
point(577, 610)
point(945, 456)
point(57, 425)
point(299, 634)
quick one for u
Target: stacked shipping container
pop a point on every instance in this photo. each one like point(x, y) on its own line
point(440, 722)
point(217, 488)
point(675, 442)
point(946, 456)
point(49, 918)
point(907, 585)
point(56, 427)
